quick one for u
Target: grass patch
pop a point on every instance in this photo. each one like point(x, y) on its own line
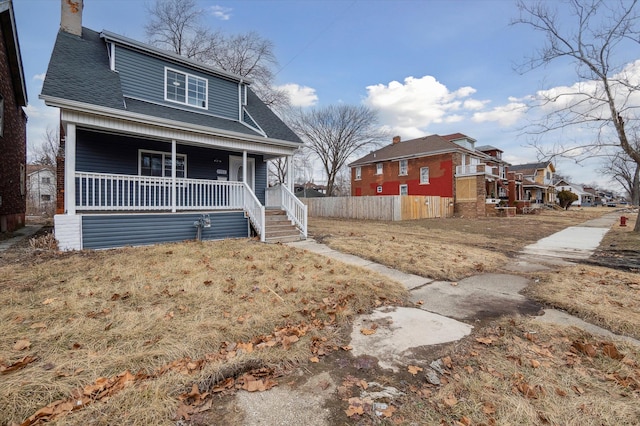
point(445, 249)
point(88, 315)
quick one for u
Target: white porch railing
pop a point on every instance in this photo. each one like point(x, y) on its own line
point(477, 169)
point(111, 192)
point(296, 209)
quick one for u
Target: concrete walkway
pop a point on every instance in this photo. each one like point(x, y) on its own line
point(19, 235)
point(440, 305)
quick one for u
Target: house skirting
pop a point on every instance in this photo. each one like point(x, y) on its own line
point(100, 231)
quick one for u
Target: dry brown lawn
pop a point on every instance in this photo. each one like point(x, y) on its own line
point(444, 249)
point(178, 313)
point(126, 334)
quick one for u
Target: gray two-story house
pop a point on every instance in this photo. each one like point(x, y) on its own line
point(158, 147)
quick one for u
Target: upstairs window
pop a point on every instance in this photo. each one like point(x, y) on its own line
point(403, 168)
point(46, 180)
point(159, 164)
point(424, 175)
point(185, 88)
point(379, 168)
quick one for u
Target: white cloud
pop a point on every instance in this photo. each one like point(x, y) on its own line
point(39, 77)
point(300, 96)
point(410, 107)
point(221, 12)
point(505, 115)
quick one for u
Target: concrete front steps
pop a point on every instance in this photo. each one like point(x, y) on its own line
point(278, 227)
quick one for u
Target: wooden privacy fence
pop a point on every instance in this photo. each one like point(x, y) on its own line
point(383, 207)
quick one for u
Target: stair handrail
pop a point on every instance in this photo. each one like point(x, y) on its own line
point(296, 209)
point(255, 210)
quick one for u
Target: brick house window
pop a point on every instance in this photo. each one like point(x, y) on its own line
point(403, 167)
point(404, 190)
point(424, 175)
point(379, 168)
point(358, 173)
point(379, 189)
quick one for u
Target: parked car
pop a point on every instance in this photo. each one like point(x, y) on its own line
point(611, 204)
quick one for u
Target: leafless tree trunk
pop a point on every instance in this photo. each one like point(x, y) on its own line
point(603, 98)
point(335, 133)
point(176, 25)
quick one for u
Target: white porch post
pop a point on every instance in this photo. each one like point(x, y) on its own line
point(70, 170)
point(290, 172)
point(244, 167)
point(173, 176)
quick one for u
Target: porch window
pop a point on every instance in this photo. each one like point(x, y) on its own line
point(379, 168)
point(424, 175)
point(403, 167)
point(358, 173)
point(154, 163)
point(185, 88)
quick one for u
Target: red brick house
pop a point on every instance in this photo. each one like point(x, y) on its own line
point(13, 124)
point(445, 166)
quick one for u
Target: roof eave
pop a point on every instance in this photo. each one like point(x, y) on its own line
point(156, 121)
point(17, 68)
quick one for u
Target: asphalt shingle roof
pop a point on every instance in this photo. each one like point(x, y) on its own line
point(79, 71)
point(428, 145)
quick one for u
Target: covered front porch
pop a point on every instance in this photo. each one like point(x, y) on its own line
point(143, 190)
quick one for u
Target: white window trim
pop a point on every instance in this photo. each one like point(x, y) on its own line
point(406, 167)
point(379, 168)
point(421, 181)
point(358, 173)
point(379, 189)
point(167, 154)
point(186, 89)
point(405, 187)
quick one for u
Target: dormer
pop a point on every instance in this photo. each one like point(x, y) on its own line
point(461, 140)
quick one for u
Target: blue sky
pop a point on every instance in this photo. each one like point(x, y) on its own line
point(429, 67)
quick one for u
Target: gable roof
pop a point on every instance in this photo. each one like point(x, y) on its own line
point(485, 148)
point(79, 74)
point(531, 167)
point(420, 147)
point(10, 34)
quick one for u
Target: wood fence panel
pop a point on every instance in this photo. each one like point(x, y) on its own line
point(386, 207)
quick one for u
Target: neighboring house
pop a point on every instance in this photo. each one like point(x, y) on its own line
point(537, 181)
point(41, 190)
point(13, 124)
point(157, 146)
point(445, 166)
point(585, 198)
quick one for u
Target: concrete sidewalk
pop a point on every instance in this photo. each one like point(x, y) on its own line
point(19, 235)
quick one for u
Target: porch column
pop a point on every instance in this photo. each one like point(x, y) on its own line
point(70, 170)
point(290, 172)
point(173, 176)
point(244, 167)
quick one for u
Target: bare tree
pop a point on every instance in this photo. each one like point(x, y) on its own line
point(335, 133)
point(605, 96)
point(176, 25)
point(302, 167)
point(45, 154)
point(626, 172)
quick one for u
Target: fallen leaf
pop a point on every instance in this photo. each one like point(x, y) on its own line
point(450, 400)
point(347, 348)
point(489, 408)
point(48, 301)
point(38, 325)
point(484, 340)
point(585, 348)
point(4, 369)
point(560, 392)
point(535, 364)
point(351, 411)
point(21, 345)
point(314, 359)
point(388, 412)
point(420, 302)
point(367, 331)
point(413, 369)
point(464, 420)
point(610, 350)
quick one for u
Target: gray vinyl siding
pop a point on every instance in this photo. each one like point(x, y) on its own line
point(142, 77)
point(260, 179)
point(114, 230)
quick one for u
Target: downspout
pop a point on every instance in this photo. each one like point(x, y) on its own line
point(173, 176)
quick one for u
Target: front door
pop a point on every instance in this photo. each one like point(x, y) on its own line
point(235, 170)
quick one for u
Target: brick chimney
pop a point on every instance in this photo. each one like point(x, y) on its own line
point(71, 17)
point(396, 140)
